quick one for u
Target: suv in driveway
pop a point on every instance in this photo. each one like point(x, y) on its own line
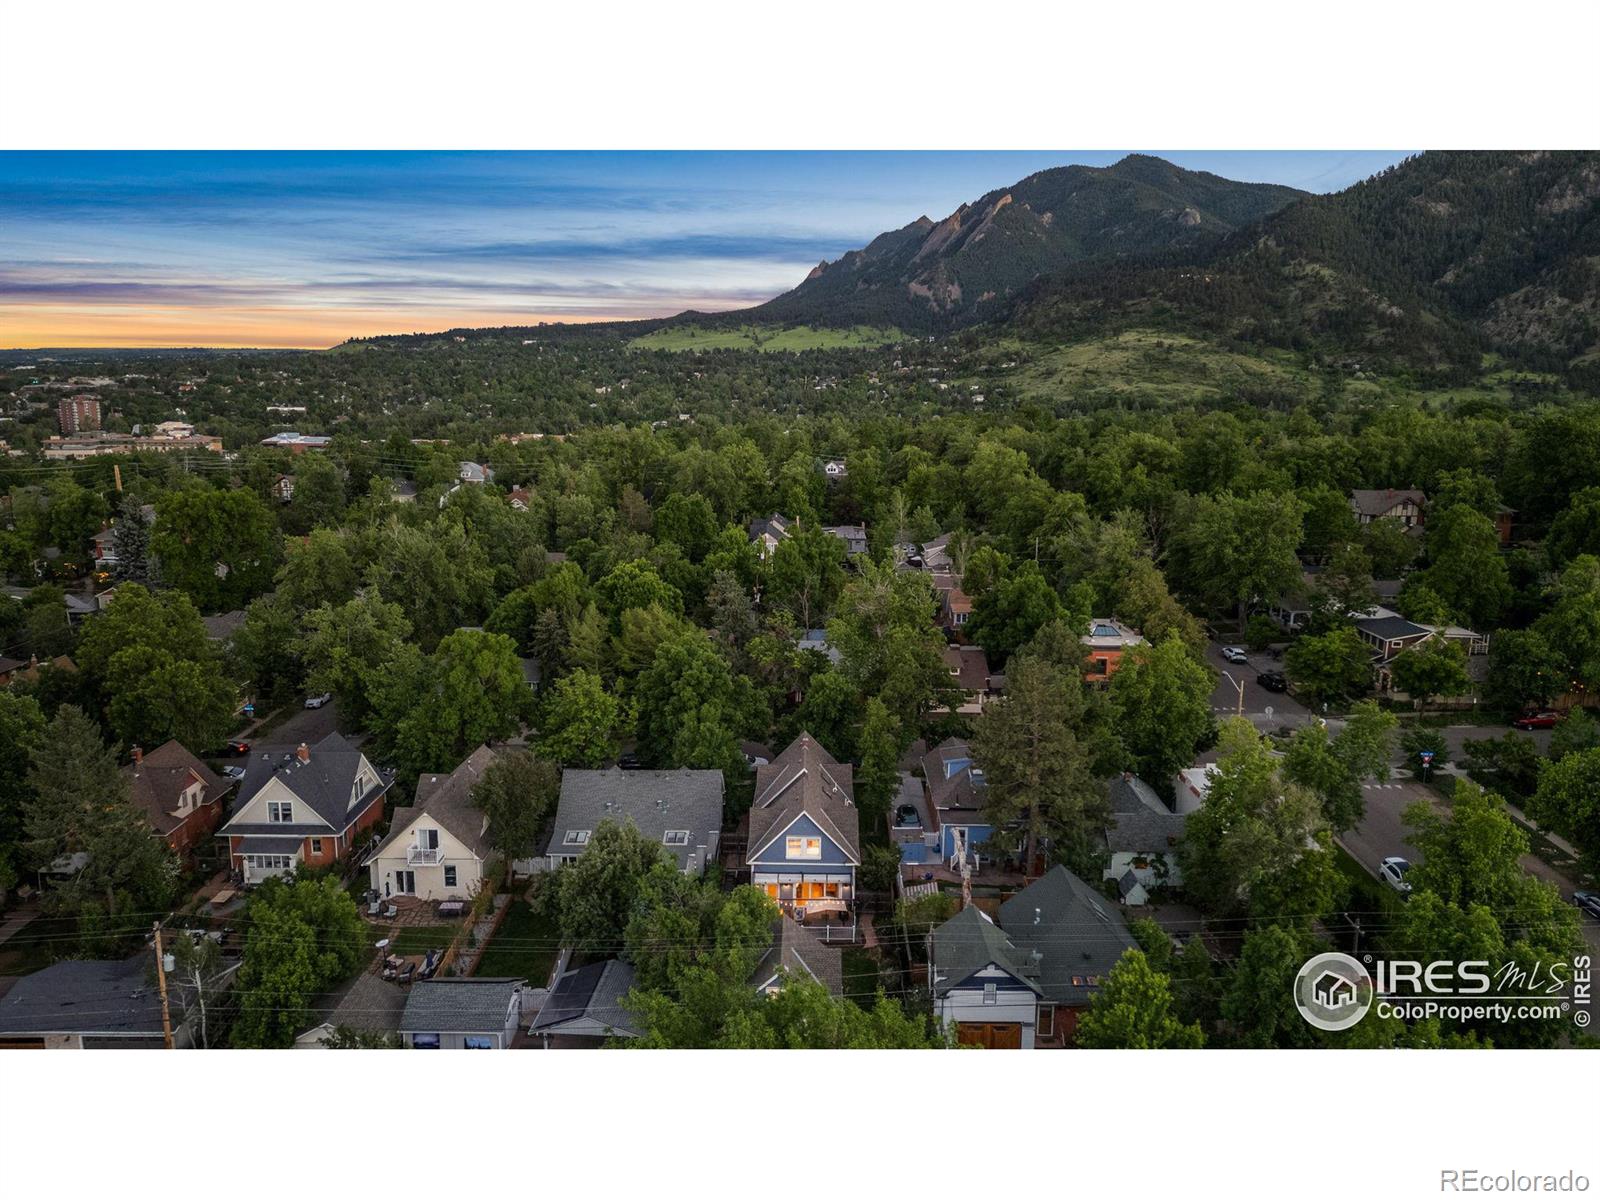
point(1235, 654)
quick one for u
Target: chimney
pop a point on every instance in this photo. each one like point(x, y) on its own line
point(1127, 777)
point(138, 756)
point(303, 753)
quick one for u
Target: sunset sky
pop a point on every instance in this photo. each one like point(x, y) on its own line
point(307, 249)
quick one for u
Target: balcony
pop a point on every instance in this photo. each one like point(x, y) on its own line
point(421, 856)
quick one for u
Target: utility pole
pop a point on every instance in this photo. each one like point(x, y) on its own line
point(161, 981)
point(116, 473)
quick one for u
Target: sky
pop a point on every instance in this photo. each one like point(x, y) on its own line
point(279, 249)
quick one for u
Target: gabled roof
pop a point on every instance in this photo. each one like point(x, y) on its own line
point(157, 783)
point(948, 771)
point(654, 801)
point(466, 1005)
point(1079, 935)
point(968, 666)
point(805, 779)
point(593, 993)
point(323, 783)
point(797, 950)
point(967, 943)
point(447, 799)
point(1374, 502)
point(1391, 628)
point(367, 1003)
point(776, 526)
point(107, 998)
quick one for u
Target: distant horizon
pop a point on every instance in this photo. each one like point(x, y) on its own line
point(304, 251)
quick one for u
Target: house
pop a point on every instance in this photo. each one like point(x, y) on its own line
point(854, 538)
point(983, 985)
point(105, 549)
point(283, 488)
point(403, 491)
point(767, 532)
point(1142, 837)
point(14, 669)
point(1192, 786)
point(436, 845)
point(955, 606)
point(1393, 504)
point(1390, 635)
point(88, 1005)
point(471, 472)
point(222, 626)
point(969, 670)
point(180, 795)
point(796, 953)
point(957, 793)
point(1104, 644)
point(1333, 991)
point(310, 805)
point(1069, 930)
point(1502, 523)
point(817, 640)
point(584, 1009)
point(682, 810)
point(468, 1013)
point(296, 443)
point(834, 469)
point(367, 1004)
point(935, 556)
point(520, 498)
point(804, 842)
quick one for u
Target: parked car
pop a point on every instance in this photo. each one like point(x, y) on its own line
point(236, 749)
point(628, 762)
point(906, 814)
point(1589, 902)
point(1273, 681)
point(1393, 872)
point(1537, 720)
point(233, 772)
point(1235, 654)
point(318, 701)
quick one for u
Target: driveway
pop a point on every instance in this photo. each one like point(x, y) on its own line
point(1257, 700)
point(308, 725)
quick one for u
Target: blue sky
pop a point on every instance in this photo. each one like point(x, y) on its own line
point(305, 249)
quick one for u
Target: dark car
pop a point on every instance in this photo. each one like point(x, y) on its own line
point(628, 762)
point(236, 749)
point(1273, 681)
point(906, 814)
point(1589, 902)
point(1536, 720)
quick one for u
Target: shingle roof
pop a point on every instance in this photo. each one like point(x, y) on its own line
point(85, 997)
point(223, 625)
point(968, 666)
point(655, 801)
point(1140, 821)
point(797, 950)
point(1077, 933)
point(968, 942)
point(469, 1005)
point(1390, 629)
point(1374, 502)
point(323, 783)
point(805, 778)
point(947, 770)
point(368, 1003)
point(157, 782)
point(447, 799)
point(594, 992)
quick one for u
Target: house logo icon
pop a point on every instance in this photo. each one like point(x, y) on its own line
point(1333, 991)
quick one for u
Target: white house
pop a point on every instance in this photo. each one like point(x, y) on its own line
point(984, 987)
point(436, 847)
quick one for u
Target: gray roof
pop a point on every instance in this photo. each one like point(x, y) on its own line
point(950, 780)
point(447, 799)
point(797, 950)
point(1077, 932)
point(1140, 822)
point(777, 525)
point(1390, 629)
point(1374, 502)
point(106, 998)
point(223, 625)
point(469, 1005)
point(967, 943)
point(261, 843)
point(594, 992)
point(367, 1003)
point(805, 778)
point(323, 783)
point(654, 801)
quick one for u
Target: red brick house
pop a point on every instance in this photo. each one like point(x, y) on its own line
point(309, 805)
point(180, 794)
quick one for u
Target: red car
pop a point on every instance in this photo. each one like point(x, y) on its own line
point(1538, 720)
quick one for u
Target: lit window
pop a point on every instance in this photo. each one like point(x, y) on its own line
point(424, 1041)
point(675, 837)
point(450, 877)
point(803, 847)
point(477, 1043)
point(576, 837)
point(280, 812)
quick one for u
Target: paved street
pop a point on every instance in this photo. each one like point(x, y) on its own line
point(308, 725)
point(1382, 832)
point(1225, 700)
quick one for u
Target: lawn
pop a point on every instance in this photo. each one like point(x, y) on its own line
point(419, 939)
point(861, 975)
point(766, 338)
point(524, 947)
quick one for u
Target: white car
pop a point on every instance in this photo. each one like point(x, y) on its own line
point(233, 772)
point(1234, 654)
point(319, 701)
point(1393, 872)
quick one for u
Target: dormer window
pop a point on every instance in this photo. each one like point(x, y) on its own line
point(576, 837)
point(280, 812)
point(675, 837)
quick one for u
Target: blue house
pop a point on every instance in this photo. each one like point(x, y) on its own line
point(804, 844)
point(957, 792)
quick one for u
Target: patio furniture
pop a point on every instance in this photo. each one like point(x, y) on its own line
point(374, 908)
point(407, 973)
point(391, 912)
point(224, 894)
point(451, 908)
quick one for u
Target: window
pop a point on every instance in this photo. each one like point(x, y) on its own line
point(450, 877)
point(675, 837)
point(1099, 666)
point(576, 837)
point(280, 812)
point(477, 1043)
point(428, 839)
point(991, 993)
point(803, 847)
point(424, 1041)
point(316, 845)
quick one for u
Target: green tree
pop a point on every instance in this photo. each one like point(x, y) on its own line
point(220, 547)
point(1329, 666)
point(1133, 1010)
point(878, 778)
point(1162, 699)
point(1572, 623)
point(1259, 1002)
point(305, 937)
point(1524, 670)
point(22, 726)
point(517, 795)
point(1567, 800)
point(1434, 667)
point(319, 570)
point(592, 899)
point(131, 541)
point(687, 709)
point(1390, 546)
point(1008, 614)
point(1576, 531)
point(578, 722)
point(347, 648)
point(1235, 550)
point(1465, 565)
point(806, 573)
